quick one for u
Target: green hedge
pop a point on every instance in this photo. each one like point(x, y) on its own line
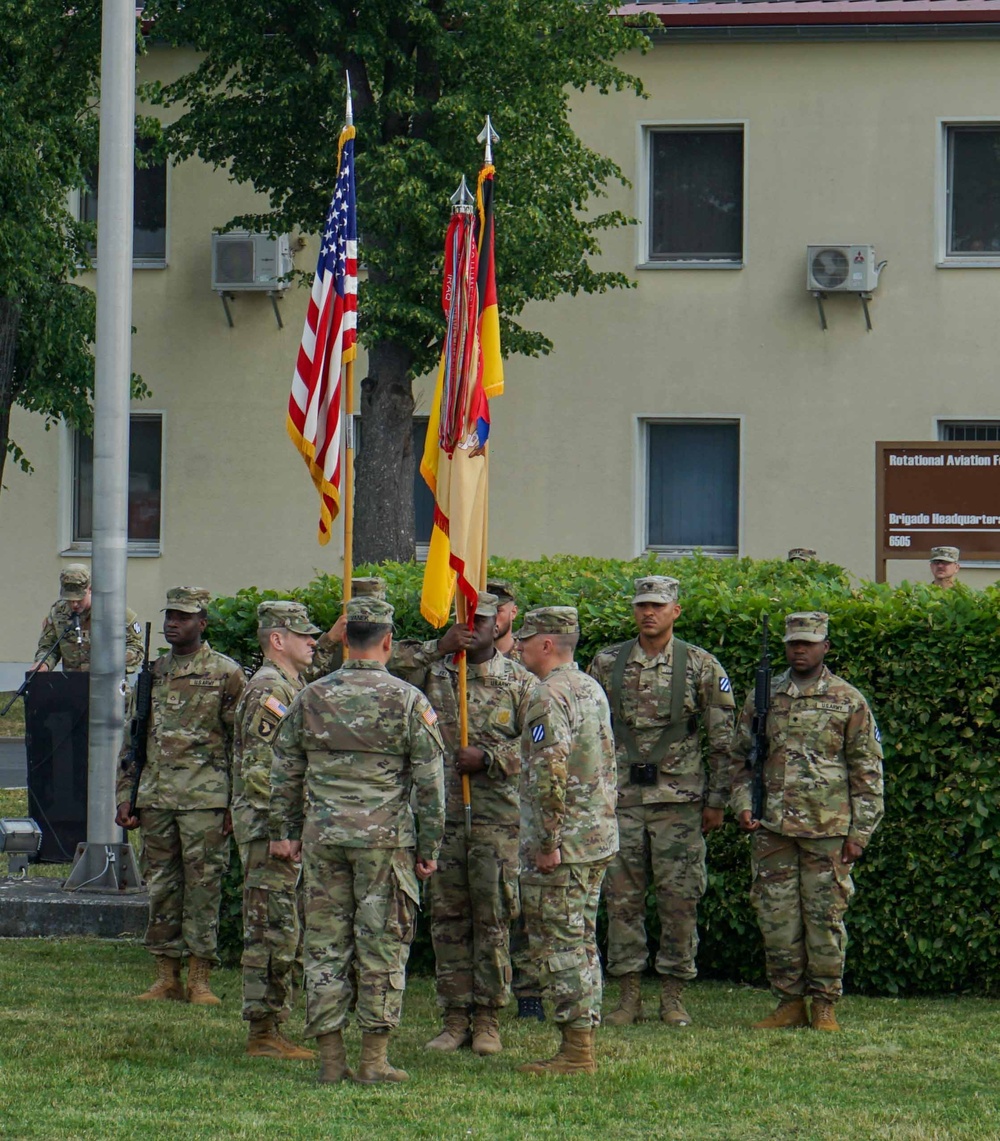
point(925, 916)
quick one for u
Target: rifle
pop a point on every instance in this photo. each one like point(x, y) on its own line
point(139, 734)
point(33, 673)
point(757, 757)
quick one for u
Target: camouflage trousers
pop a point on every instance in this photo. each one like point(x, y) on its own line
point(360, 919)
point(473, 898)
point(662, 844)
point(525, 982)
point(560, 920)
point(272, 934)
point(184, 857)
point(800, 892)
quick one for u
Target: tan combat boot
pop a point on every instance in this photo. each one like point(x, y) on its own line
point(629, 1007)
point(455, 1034)
point(265, 1040)
point(671, 1008)
point(791, 1013)
point(332, 1058)
point(575, 1055)
point(168, 982)
point(198, 990)
point(374, 1066)
point(485, 1031)
point(823, 1017)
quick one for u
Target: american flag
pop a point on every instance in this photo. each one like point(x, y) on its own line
point(329, 336)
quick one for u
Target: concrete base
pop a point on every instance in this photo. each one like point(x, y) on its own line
point(40, 907)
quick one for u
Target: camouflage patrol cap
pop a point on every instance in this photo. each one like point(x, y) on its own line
point(375, 610)
point(807, 627)
point(188, 599)
point(656, 588)
point(943, 555)
point(74, 580)
point(486, 607)
point(368, 588)
point(801, 555)
point(502, 588)
point(549, 620)
point(282, 615)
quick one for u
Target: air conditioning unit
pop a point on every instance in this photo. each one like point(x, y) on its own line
point(243, 262)
point(842, 269)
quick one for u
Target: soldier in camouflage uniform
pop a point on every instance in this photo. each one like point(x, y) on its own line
point(349, 753)
point(59, 642)
point(944, 566)
point(665, 804)
point(568, 831)
point(822, 802)
point(801, 555)
point(474, 896)
point(504, 638)
point(184, 798)
point(272, 960)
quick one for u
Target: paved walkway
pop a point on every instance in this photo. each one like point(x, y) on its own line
point(13, 763)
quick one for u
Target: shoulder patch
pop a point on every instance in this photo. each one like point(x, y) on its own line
point(503, 716)
point(538, 733)
point(275, 706)
point(875, 728)
point(725, 685)
point(429, 716)
point(265, 728)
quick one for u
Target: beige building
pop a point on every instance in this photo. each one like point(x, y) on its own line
point(707, 407)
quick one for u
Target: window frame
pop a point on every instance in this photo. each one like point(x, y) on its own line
point(640, 496)
point(946, 260)
point(646, 128)
point(74, 548)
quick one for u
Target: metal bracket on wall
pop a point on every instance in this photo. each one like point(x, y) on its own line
point(865, 298)
point(226, 298)
point(820, 298)
point(274, 295)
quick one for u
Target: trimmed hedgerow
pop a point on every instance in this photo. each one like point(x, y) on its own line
point(925, 916)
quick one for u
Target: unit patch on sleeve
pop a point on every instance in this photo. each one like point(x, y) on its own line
point(725, 685)
point(538, 733)
point(275, 706)
point(429, 716)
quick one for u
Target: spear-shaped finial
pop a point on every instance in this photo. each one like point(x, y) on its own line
point(349, 116)
point(488, 136)
point(462, 201)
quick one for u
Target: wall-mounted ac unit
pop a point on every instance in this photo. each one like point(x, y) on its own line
point(244, 262)
point(842, 269)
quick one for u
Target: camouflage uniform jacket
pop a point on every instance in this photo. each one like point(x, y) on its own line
point(646, 701)
point(823, 775)
point(190, 744)
point(352, 746)
point(498, 692)
point(264, 703)
point(568, 771)
point(77, 657)
point(406, 655)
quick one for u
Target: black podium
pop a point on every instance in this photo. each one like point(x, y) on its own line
point(56, 717)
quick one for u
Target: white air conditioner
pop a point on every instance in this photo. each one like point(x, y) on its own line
point(842, 269)
point(244, 262)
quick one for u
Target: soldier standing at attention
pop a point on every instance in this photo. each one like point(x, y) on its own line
point(272, 963)
point(568, 831)
point(349, 753)
point(944, 566)
point(823, 801)
point(184, 799)
point(474, 895)
point(74, 647)
point(660, 690)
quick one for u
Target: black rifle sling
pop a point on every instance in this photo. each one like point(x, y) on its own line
point(678, 727)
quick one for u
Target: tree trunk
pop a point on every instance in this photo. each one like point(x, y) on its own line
point(383, 508)
point(10, 317)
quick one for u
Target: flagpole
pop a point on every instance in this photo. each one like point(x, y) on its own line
point(348, 415)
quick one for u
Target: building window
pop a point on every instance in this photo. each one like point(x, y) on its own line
point(693, 485)
point(696, 195)
point(972, 431)
point(145, 466)
point(149, 204)
point(973, 191)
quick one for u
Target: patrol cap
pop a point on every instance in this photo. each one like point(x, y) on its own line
point(188, 599)
point(368, 588)
point(549, 620)
point(656, 588)
point(278, 615)
point(74, 579)
point(938, 555)
point(801, 555)
point(503, 588)
point(811, 626)
point(486, 607)
point(374, 610)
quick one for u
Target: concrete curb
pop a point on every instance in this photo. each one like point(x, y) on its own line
point(39, 907)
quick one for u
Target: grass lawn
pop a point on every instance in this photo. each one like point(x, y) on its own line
point(12, 723)
point(78, 1059)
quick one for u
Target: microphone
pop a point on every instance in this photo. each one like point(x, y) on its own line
point(76, 627)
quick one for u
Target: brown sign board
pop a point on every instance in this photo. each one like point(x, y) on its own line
point(936, 495)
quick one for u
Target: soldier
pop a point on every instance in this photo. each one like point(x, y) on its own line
point(823, 801)
point(660, 689)
point(504, 639)
point(944, 566)
point(801, 555)
point(568, 831)
point(347, 756)
point(272, 961)
point(184, 798)
point(474, 895)
point(59, 641)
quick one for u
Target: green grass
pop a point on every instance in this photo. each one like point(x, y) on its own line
point(12, 723)
point(78, 1059)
